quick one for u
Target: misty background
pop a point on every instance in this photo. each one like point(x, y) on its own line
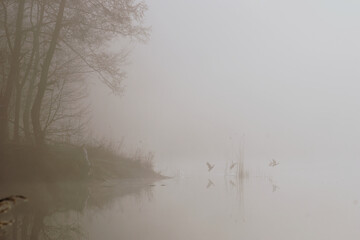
point(279, 77)
point(149, 119)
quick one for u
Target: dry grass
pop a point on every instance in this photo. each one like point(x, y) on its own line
point(109, 162)
point(67, 162)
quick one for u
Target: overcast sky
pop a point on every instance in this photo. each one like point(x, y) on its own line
point(281, 76)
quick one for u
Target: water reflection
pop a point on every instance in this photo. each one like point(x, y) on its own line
point(275, 187)
point(55, 209)
point(210, 184)
point(232, 183)
point(44, 200)
point(188, 208)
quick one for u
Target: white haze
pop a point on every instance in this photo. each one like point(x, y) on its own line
point(281, 76)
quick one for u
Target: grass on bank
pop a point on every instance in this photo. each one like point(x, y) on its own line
point(24, 162)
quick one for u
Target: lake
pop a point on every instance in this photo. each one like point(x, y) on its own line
point(190, 207)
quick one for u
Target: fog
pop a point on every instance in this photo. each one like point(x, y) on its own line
point(213, 119)
point(279, 77)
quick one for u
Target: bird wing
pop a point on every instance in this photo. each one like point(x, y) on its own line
point(208, 165)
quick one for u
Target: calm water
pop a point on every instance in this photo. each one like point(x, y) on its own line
point(207, 207)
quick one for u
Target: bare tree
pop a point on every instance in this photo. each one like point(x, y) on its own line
point(36, 108)
point(12, 78)
point(41, 38)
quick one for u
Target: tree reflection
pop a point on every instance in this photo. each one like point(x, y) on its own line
point(54, 209)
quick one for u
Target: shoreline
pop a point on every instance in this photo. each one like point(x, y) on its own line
point(65, 162)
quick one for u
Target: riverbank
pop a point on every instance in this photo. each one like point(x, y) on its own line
point(65, 162)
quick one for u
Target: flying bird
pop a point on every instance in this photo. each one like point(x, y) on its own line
point(273, 163)
point(233, 164)
point(210, 167)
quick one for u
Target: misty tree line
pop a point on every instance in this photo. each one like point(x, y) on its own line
point(48, 51)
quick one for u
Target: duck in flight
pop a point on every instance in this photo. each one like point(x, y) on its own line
point(273, 163)
point(210, 167)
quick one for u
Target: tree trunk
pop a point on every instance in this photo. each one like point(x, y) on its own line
point(13, 74)
point(27, 108)
point(36, 108)
point(30, 92)
point(17, 114)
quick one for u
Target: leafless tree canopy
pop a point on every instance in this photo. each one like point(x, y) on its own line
point(48, 50)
